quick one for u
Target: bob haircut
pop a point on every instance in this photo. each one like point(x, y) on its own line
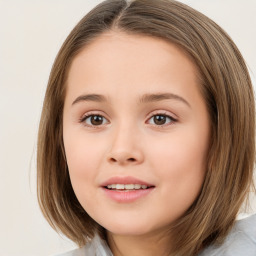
point(226, 88)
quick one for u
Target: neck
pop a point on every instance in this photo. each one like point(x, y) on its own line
point(140, 245)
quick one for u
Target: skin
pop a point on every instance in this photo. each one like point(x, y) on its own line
point(129, 142)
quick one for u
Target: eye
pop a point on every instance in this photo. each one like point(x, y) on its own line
point(94, 120)
point(161, 119)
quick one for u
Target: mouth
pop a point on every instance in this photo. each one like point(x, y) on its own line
point(126, 189)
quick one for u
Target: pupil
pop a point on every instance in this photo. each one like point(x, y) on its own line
point(159, 119)
point(96, 120)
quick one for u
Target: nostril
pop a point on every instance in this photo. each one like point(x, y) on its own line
point(131, 159)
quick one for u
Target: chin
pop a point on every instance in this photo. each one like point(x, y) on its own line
point(128, 228)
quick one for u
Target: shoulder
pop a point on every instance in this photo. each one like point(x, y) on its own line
point(240, 241)
point(75, 252)
point(96, 247)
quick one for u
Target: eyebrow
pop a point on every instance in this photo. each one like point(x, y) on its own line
point(90, 97)
point(146, 98)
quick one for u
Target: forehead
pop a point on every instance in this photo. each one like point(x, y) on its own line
point(113, 45)
point(118, 60)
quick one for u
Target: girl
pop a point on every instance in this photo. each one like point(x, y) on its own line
point(146, 140)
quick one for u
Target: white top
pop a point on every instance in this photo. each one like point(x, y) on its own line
point(241, 241)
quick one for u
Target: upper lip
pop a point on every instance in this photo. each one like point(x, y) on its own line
point(125, 180)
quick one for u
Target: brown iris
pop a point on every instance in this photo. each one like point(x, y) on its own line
point(96, 120)
point(159, 119)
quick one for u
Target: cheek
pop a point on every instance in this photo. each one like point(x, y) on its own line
point(180, 164)
point(183, 168)
point(82, 153)
point(82, 159)
point(182, 152)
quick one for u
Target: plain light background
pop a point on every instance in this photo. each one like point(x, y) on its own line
point(31, 33)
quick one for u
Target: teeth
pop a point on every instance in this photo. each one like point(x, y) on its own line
point(137, 186)
point(119, 186)
point(126, 186)
point(129, 186)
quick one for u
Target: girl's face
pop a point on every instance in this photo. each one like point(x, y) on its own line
point(136, 132)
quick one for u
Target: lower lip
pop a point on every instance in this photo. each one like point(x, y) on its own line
point(127, 196)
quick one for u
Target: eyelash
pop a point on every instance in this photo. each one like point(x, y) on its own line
point(90, 115)
point(160, 114)
point(166, 116)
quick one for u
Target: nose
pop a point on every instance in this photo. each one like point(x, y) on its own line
point(126, 148)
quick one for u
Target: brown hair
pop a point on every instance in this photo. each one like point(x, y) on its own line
point(228, 93)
